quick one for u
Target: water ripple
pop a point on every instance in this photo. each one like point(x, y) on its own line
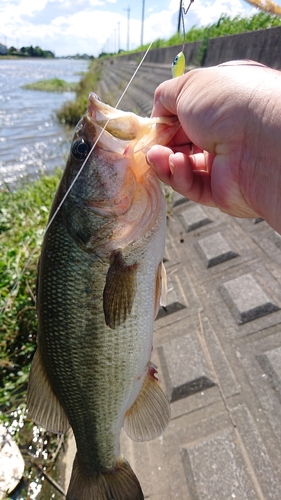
point(31, 139)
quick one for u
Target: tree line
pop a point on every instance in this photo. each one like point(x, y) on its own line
point(30, 52)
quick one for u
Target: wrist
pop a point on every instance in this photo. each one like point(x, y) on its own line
point(260, 167)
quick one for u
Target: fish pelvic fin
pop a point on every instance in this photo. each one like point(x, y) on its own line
point(119, 483)
point(150, 413)
point(43, 405)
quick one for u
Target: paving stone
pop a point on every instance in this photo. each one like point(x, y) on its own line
point(270, 242)
point(204, 462)
point(215, 249)
point(268, 413)
point(194, 217)
point(276, 238)
point(246, 299)
point(270, 362)
point(184, 367)
point(178, 199)
point(266, 472)
point(175, 300)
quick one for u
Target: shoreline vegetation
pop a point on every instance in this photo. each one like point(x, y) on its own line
point(23, 218)
point(29, 52)
point(52, 85)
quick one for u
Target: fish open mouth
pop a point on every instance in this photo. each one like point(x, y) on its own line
point(129, 129)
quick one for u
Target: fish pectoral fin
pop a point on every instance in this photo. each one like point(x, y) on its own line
point(150, 413)
point(161, 289)
point(119, 290)
point(43, 405)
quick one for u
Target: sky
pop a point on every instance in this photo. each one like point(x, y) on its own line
point(69, 27)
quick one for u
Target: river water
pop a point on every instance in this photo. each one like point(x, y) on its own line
point(31, 138)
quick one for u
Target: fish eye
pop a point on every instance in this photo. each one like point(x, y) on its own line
point(175, 60)
point(80, 149)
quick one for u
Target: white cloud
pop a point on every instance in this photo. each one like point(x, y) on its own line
point(208, 12)
point(28, 7)
point(96, 2)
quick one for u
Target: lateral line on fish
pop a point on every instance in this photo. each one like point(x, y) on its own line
point(72, 184)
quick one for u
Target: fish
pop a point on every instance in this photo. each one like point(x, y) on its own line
point(100, 282)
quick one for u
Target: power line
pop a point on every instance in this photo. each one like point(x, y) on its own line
point(180, 17)
point(142, 22)
point(128, 27)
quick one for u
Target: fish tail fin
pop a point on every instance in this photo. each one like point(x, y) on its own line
point(119, 483)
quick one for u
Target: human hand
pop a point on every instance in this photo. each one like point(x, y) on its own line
point(228, 151)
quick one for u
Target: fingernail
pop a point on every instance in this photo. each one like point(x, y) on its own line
point(150, 163)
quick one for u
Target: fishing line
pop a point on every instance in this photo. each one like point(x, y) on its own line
point(72, 184)
point(184, 11)
point(94, 145)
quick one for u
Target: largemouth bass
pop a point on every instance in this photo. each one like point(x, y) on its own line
point(99, 286)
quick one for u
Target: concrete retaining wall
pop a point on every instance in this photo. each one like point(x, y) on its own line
point(262, 45)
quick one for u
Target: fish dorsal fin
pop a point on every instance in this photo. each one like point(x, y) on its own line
point(43, 405)
point(150, 413)
point(161, 289)
point(119, 290)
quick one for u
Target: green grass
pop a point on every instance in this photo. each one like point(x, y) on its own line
point(52, 85)
point(23, 217)
point(72, 111)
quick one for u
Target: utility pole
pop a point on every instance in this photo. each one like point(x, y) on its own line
point(118, 37)
point(180, 16)
point(142, 21)
point(128, 27)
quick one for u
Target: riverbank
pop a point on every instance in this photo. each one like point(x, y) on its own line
point(23, 218)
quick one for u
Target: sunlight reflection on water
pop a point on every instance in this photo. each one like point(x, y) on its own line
point(31, 139)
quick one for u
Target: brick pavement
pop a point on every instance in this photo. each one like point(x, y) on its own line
point(218, 348)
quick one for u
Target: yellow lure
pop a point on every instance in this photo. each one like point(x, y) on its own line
point(178, 65)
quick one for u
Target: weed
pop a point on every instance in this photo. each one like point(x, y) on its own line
point(52, 85)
